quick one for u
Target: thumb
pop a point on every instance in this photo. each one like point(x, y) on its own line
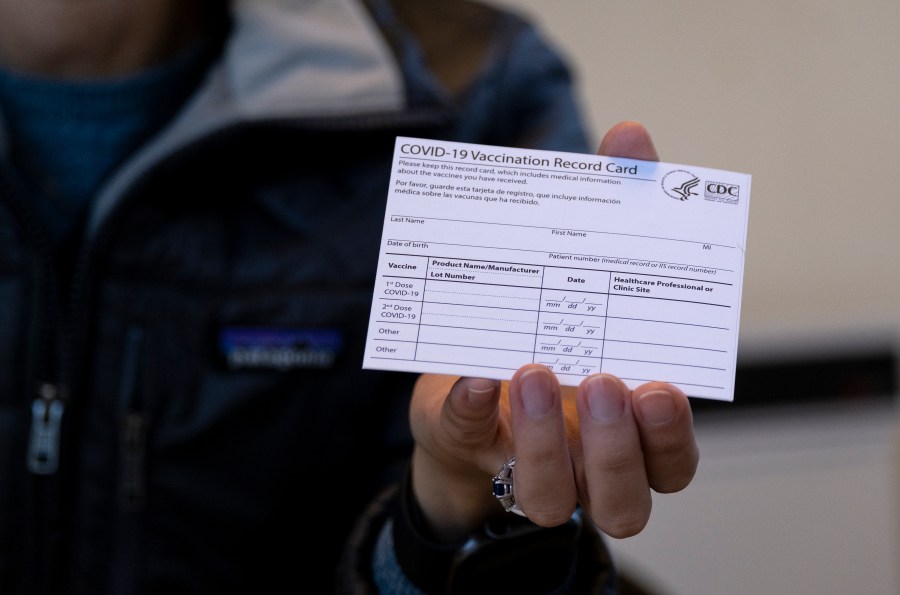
point(448, 413)
point(449, 473)
point(470, 413)
point(628, 139)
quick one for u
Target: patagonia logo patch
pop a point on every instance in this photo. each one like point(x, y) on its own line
point(279, 348)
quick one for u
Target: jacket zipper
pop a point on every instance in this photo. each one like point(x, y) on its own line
point(126, 562)
point(133, 427)
point(62, 333)
point(46, 422)
point(43, 449)
point(48, 406)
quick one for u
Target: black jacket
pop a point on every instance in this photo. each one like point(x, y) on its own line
point(203, 364)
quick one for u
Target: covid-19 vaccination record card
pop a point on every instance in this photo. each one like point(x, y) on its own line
point(495, 257)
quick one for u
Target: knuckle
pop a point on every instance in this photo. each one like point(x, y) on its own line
point(621, 464)
point(623, 515)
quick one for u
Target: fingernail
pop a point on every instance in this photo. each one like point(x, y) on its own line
point(537, 392)
point(657, 407)
point(605, 399)
point(481, 394)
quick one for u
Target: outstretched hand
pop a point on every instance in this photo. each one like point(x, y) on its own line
point(602, 445)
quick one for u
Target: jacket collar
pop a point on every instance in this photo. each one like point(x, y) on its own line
point(283, 59)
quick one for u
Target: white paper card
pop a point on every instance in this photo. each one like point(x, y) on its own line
point(495, 257)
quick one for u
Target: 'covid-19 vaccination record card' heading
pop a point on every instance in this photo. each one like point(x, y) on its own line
point(494, 257)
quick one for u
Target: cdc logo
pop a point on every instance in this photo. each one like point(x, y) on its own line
point(722, 192)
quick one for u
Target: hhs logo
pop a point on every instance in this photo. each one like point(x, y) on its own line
point(722, 192)
point(680, 184)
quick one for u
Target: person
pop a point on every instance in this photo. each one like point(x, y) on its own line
point(190, 202)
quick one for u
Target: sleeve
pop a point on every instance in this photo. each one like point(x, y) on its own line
point(390, 554)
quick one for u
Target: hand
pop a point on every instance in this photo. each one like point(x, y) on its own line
point(602, 446)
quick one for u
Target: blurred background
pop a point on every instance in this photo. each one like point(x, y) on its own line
point(798, 488)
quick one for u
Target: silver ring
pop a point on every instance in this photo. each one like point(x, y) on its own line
point(502, 485)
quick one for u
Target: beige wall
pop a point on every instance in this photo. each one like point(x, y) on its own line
point(805, 96)
point(802, 95)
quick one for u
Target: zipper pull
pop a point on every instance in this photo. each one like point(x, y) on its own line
point(46, 419)
point(133, 429)
point(132, 489)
